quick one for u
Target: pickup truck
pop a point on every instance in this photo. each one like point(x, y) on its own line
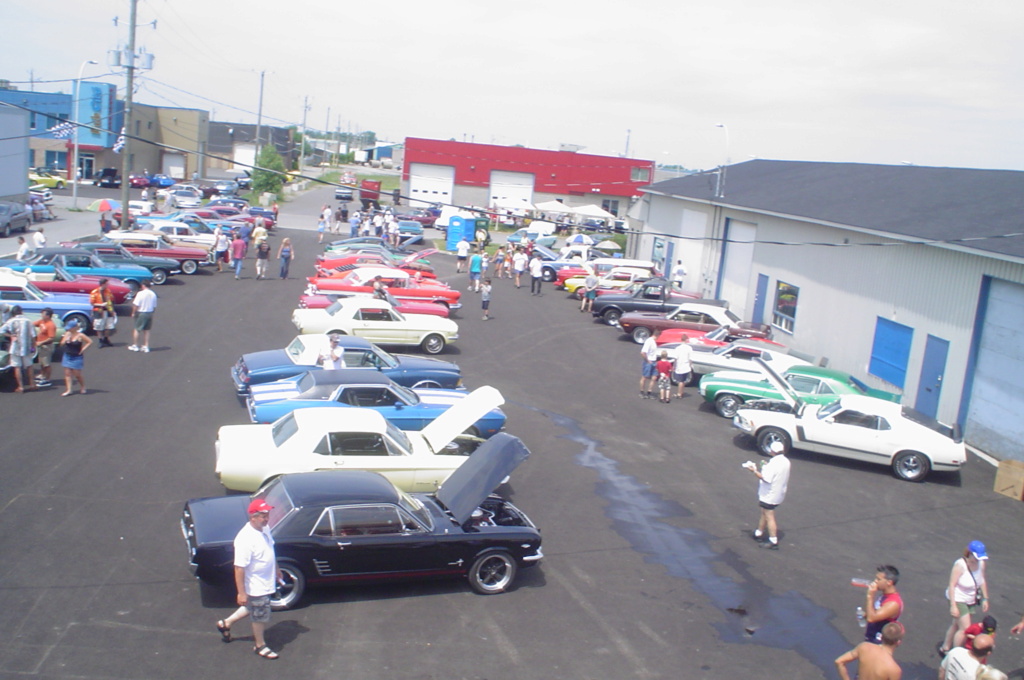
point(653, 295)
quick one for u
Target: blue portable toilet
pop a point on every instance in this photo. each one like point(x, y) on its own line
point(456, 229)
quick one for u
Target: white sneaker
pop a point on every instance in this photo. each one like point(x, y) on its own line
point(133, 348)
point(145, 349)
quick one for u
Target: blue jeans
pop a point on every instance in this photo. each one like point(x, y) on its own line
point(238, 267)
point(285, 261)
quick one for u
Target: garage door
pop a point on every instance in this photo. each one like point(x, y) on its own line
point(430, 184)
point(993, 423)
point(245, 154)
point(511, 187)
point(738, 257)
point(174, 165)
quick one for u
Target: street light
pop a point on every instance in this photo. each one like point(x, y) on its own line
point(720, 188)
point(74, 110)
point(723, 126)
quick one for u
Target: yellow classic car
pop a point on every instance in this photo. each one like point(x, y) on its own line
point(47, 179)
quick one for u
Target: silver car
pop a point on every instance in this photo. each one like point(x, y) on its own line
point(13, 216)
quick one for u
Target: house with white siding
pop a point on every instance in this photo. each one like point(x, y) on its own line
point(911, 278)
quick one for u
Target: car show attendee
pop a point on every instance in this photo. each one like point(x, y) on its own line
point(104, 319)
point(353, 224)
point(334, 357)
point(590, 284)
point(220, 249)
point(39, 239)
point(46, 336)
point(965, 664)
point(74, 343)
point(105, 221)
point(256, 577)
point(498, 259)
point(884, 603)
point(663, 368)
point(338, 220)
point(967, 594)
point(683, 364)
point(143, 306)
point(24, 250)
point(380, 291)
point(21, 334)
point(679, 274)
point(262, 258)
point(461, 254)
point(987, 625)
point(536, 275)
point(875, 661)
point(519, 260)
point(648, 370)
point(238, 248)
point(259, 231)
point(485, 298)
point(773, 478)
point(475, 268)
point(285, 253)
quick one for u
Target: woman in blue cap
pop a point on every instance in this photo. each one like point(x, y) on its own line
point(967, 594)
point(74, 343)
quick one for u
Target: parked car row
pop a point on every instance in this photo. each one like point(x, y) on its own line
point(353, 445)
point(778, 396)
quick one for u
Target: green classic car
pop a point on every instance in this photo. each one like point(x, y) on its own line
point(727, 390)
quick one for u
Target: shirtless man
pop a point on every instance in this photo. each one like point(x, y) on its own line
point(875, 662)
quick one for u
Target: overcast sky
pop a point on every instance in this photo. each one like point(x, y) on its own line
point(875, 81)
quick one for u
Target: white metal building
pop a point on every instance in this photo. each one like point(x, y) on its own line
point(911, 278)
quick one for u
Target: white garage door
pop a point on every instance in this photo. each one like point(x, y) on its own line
point(174, 165)
point(738, 256)
point(430, 184)
point(993, 423)
point(245, 154)
point(511, 187)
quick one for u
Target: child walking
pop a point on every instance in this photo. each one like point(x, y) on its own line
point(664, 369)
point(485, 298)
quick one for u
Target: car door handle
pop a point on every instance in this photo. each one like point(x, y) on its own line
point(343, 544)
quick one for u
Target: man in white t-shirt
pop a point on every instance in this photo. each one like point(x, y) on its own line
point(649, 356)
point(461, 253)
point(334, 358)
point(679, 274)
point(143, 306)
point(256, 577)
point(962, 663)
point(773, 478)
point(683, 366)
point(536, 274)
point(519, 261)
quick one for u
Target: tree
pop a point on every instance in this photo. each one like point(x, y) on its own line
point(269, 177)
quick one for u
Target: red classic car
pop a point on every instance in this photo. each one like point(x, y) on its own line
point(156, 244)
point(62, 281)
point(719, 337)
point(324, 300)
point(226, 212)
point(138, 181)
point(424, 217)
point(411, 264)
point(397, 282)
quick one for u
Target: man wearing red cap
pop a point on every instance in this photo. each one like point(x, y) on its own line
point(256, 577)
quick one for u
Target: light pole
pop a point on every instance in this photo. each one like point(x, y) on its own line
point(720, 192)
point(74, 110)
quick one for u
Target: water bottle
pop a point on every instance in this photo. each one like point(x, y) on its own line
point(861, 619)
point(860, 582)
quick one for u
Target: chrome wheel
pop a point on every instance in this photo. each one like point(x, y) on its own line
point(492, 573)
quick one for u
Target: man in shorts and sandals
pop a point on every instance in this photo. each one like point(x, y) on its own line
point(773, 477)
point(143, 306)
point(256, 577)
point(46, 335)
point(103, 317)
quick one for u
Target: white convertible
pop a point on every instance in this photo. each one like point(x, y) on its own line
point(379, 322)
point(858, 427)
point(352, 439)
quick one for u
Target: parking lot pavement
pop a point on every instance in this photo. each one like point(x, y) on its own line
point(643, 506)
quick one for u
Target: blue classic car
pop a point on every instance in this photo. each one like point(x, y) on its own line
point(408, 409)
point(78, 261)
point(303, 354)
point(16, 289)
point(160, 181)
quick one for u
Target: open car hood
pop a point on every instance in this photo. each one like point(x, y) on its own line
point(456, 420)
point(419, 255)
point(473, 481)
point(779, 383)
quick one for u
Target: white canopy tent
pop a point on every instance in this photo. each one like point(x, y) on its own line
point(555, 207)
point(512, 204)
point(594, 211)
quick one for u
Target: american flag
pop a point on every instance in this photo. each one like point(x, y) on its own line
point(119, 144)
point(64, 130)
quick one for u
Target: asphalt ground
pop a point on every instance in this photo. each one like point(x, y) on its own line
point(645, 511)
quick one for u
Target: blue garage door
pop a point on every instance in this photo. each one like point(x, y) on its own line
point(993, 420)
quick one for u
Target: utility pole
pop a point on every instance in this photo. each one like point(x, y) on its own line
point(259, 119)
point(126, 151)
point(302, 140)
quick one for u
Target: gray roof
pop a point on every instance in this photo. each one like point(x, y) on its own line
point(944, 204)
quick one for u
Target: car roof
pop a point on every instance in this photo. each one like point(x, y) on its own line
point(349, 376)
point(820, 372)
point(62, 251)
point(873, 405)
point(329, 487)
point(330, 419)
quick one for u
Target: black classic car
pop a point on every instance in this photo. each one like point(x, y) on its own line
point(653, 295)
point(336, 526)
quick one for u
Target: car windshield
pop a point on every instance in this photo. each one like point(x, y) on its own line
point(200, 227)
point(33, 291)
point(279, 501)
point(333, 308)
point(408, 395)
point(732, 316)
point(385, 359)
point(296, 348)
point(829, 410)
point(413, 506)
point(283, 428)
point(857, 385)
point(399, 437)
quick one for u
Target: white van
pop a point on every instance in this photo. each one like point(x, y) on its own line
point(450, 211)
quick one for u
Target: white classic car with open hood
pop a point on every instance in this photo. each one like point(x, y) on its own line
point(854, 426)
point(247, 456)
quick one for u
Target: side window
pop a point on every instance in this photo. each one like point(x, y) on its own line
point(802, 383)
point(857, 419)
point(357, 444)
point(652, 293)
point(323, 447)
point(825, 388)
point(365, 396)
point(367, 520)
point(324, 527)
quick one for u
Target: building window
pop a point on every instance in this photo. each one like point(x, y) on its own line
point(784, 313)
point(640, 174)
point(31, 120)
point(890, 351)
point(611, 205)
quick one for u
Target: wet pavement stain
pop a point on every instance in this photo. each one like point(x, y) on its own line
point(754, 614)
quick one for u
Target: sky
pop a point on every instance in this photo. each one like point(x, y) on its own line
point(678, 82)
